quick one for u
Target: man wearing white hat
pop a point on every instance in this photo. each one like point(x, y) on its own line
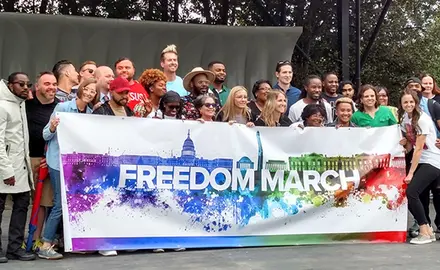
point(196, 83)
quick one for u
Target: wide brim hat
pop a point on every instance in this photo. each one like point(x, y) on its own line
point(196, 71)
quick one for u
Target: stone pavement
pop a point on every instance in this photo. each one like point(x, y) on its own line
point(325, 257)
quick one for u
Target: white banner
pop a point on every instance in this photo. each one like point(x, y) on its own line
point(131, 183)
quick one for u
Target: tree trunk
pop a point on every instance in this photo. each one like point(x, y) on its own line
point(150, 10)
point(176, 11)
point(164, 11)
point(9, 5)
point(43, 6)
point(207, 11)
point(224, 15)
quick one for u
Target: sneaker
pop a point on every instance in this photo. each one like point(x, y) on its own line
point(108, 253)
point(3, 258)
point(158, 250)
point(21, 255)
point(49, 254)
point(421, 240)
point(179, 249)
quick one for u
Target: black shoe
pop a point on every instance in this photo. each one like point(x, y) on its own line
point(21, 255)
point(3, 258)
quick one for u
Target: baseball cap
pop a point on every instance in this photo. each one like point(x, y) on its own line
point(413, 80)
point(119, 84)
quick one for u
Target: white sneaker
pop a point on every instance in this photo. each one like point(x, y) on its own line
point(158, 250)
point(108, 253)
point(421, 240)
point(179, 249)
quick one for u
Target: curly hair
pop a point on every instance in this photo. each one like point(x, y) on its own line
point(149, 77)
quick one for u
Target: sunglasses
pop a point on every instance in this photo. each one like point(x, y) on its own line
point(283, 62)
point(23, 84)
point(209, 105)
point(173, 107)
point(91, 71)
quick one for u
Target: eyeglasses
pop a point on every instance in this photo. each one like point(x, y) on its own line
point(209, 105)
point(22, 84)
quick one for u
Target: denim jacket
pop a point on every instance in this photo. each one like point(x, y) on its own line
point(53, 149)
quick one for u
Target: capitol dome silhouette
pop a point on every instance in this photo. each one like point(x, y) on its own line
point(188, 149)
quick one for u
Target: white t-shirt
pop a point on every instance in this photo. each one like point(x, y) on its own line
point(296, 110)
point(430, 153)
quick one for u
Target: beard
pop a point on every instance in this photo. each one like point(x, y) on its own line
point(199, 91)
point(218, 80)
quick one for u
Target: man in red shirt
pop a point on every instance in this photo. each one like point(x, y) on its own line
point(124, 68)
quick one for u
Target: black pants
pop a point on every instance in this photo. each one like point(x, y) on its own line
point(424, 176)
point(434, 188)
point(18, 219)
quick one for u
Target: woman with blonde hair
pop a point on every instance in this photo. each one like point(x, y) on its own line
point(235, 109)
point(272, 114)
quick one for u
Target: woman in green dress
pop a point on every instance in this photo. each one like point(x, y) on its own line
point(370, 113)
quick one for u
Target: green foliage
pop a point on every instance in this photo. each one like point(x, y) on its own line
point(406, 44)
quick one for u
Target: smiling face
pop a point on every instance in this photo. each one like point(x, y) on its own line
point(169, 62)
point(314, 89)
point(408, 103)
point(262, 91)
point(285, 74)
point(281, 103)
point(89, 93)
point(172, 108)
point(207, 111)
point(428, 84)
point(47, 86)
point(315, 120)
point(240, 99)
point(344, 111)
point(369, 98)
point(220, 72)
point(125, 69)
point(331, 84)
point(383, 98)
point(159, 88)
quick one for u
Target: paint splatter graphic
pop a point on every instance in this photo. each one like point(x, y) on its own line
point(90, 177)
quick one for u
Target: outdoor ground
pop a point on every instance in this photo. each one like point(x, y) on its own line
point(325, 257)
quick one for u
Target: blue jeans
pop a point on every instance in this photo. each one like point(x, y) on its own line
point(54, 218)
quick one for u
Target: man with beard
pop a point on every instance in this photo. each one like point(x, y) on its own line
point(15, 168)
point(196, 83)
point(218, 88)
point(117, 105)
point(311, 95)
point(125, 69)
point(169, 61)
point(330, 94)
point(38, 111)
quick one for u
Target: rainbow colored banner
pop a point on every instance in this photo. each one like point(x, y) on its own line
point(134, 183)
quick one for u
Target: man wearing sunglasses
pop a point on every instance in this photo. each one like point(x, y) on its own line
point(15, 168)
point(284, 74)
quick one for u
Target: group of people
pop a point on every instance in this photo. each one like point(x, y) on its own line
point(28, 125)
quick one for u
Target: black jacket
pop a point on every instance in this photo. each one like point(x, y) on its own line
point(105, 109)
